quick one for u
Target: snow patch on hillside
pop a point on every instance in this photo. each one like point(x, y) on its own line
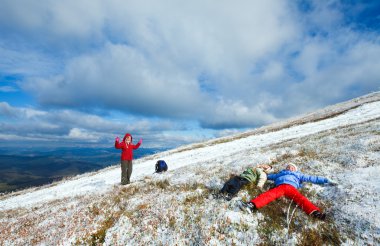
point(104, 180)
point(177, 207)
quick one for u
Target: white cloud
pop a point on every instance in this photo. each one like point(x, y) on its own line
point(239, 115)
point(330, 75)
point(81, 134)
point(156, 72)
point(52, 22)
point(21, 60)
point(27, 113)
point(8, 89)
point(220, 63)
point(60, 127)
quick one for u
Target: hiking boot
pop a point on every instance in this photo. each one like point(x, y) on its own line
point(247, 206)
point(228, 197)
point(318, 215)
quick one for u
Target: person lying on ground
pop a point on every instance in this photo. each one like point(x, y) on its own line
point(256, 175)
point(286, 184)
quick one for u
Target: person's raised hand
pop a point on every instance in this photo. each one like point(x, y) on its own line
point(332, 182)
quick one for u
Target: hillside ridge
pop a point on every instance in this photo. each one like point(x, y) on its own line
point(177, 207)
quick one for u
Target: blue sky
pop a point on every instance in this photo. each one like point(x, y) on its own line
point(79, 73)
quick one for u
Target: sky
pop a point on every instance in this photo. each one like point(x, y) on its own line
point(79, 73)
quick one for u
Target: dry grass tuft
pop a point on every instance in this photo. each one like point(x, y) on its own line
point(324, 234)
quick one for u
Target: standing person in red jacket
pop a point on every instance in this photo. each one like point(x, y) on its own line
point(127, 148)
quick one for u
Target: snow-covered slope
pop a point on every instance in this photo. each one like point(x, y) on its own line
point(340, 142)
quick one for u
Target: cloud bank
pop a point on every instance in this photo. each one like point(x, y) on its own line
point(217, 64)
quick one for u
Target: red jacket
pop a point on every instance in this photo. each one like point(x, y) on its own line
point(126, 149)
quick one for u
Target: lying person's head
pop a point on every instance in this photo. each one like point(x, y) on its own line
point(291, 167)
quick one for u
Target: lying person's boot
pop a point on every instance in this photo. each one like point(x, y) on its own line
point(228, 197)
point(318, 215)
point(247, 206)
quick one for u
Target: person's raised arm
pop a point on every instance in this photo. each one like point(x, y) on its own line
point(117, 143)
point(138, 144)
point(332, 182)
point(314, 179)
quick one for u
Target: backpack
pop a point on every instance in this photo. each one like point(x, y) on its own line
point(161, 166)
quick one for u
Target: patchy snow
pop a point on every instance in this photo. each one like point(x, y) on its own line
point(103, 181)
point(177, 207)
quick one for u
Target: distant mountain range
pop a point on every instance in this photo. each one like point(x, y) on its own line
point(28, 168)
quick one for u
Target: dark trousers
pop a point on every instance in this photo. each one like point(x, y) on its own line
point(126, 171)
point(233, 185)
